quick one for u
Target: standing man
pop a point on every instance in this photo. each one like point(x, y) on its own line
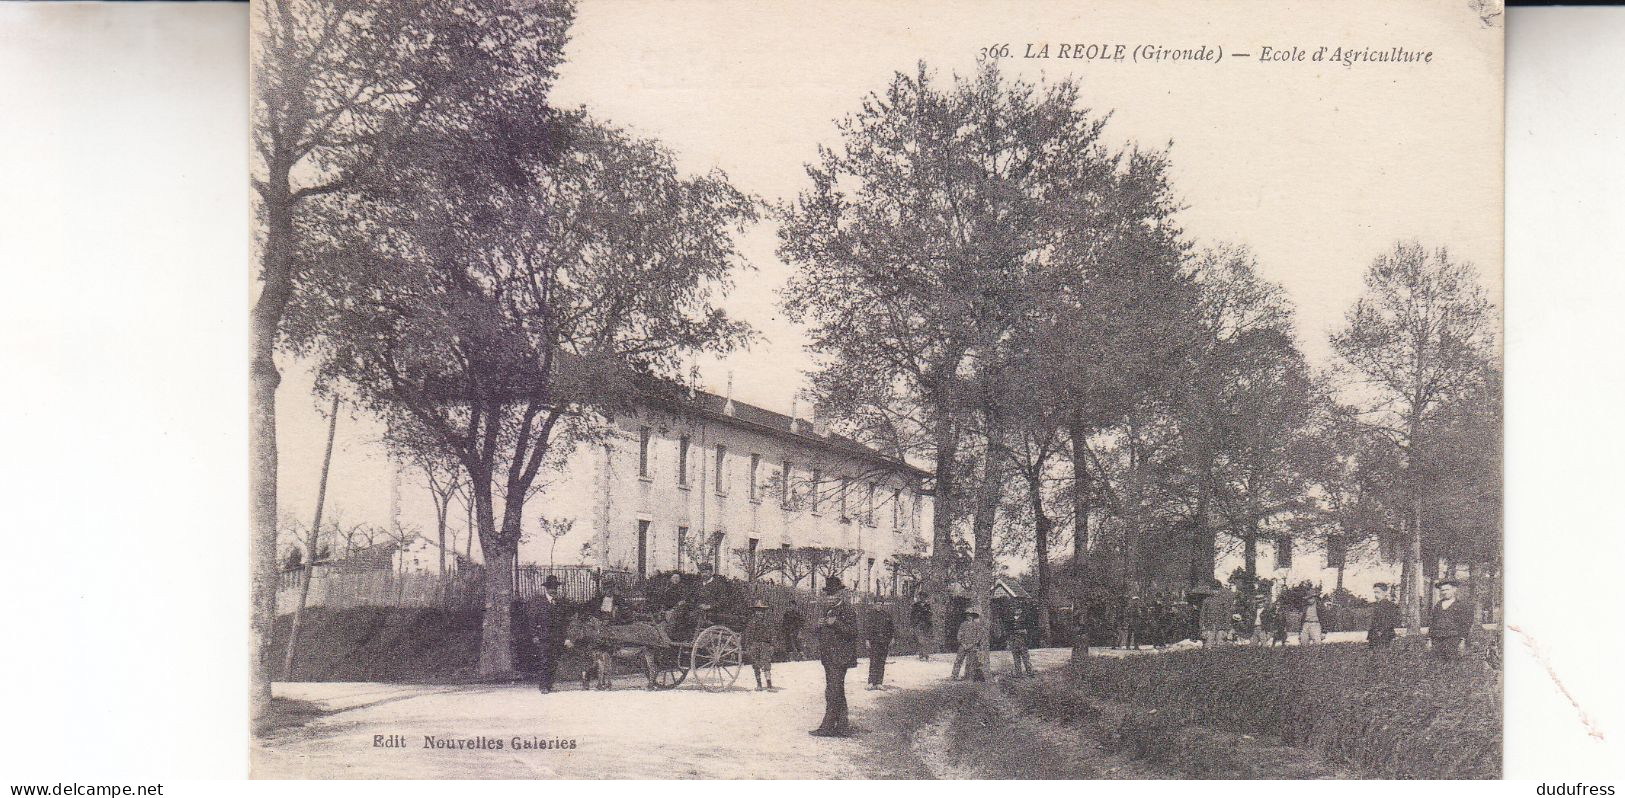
point(880, 630)
point(759, 643)
point(919, 617)
point(1450, 624)
point(1384, 618)
point(1311, 632)
point(969, 637)
point(549, 623)
point(791, 626)
point(1016, 641)
point(838, 652)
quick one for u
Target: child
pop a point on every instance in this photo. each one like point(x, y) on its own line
point(759, 644)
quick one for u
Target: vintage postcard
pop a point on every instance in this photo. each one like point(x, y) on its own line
point(728, 389)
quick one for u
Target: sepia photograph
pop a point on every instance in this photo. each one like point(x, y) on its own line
point(715, 389)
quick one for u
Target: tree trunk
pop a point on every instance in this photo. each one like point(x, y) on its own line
point(942, 522)
point(1203, 547)
point(1249, 551)
point(441, 508)
point(310, 549)
point(987, 507)
point(496, 627)
point(1416, 596)
point(1041, 535)
point(276, 288)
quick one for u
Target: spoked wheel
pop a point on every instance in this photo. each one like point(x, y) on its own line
point(716, 658)
point(670, 675)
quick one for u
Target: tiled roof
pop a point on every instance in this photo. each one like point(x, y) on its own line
point(757, 419)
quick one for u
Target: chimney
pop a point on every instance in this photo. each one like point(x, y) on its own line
point(728, 405)
point(795, 406)
point(819, 427)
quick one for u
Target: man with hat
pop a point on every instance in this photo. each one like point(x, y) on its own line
point(549, 624)
point(838, 652)
point(1450, 624)
point(970, 634)
point(758, 643)
point(1384, 618)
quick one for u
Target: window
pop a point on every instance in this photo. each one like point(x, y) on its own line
point(682, 547)
point(643, 548)
point(846, 484)
point(817, 489)
point(784, 484)
point(722, 456)
point(750, 558)
point(755, 468)
point(1283, 552)
point(869, 506)
point(897, 508)
point(682, 461)
point(643, 452)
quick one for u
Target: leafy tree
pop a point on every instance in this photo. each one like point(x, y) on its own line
point(1418, 340)
point(931, 235)
point(337, 85)
point(1243, 409)
point(510, 313)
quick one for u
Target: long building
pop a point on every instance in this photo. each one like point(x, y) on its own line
point(690, 477)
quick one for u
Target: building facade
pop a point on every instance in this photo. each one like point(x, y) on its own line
point(691, 477)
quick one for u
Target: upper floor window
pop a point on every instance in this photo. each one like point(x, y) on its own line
point(817, 489)
point(846, 485)
point(869, 505)
point(682, 460)
point(755, 469)
point(897, 508)
point(721, 471)
point(643, 452)
point(785, 493)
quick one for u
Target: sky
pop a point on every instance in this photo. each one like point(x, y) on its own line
point(1317, 167)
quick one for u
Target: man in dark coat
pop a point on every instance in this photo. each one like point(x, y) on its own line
point(919, 617)
point(879, 630)
point(1384, 618)
point(838, 652)
point(1451, 623)
point(790, 625)
point(549, 623)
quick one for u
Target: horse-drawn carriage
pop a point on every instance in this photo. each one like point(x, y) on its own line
point(711, 654)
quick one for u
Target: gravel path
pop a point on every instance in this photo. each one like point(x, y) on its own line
point(624, 733)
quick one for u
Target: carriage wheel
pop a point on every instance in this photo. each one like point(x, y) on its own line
point(670, 675)
point(716, 658)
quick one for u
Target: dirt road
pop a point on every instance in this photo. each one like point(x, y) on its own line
point(507, 732)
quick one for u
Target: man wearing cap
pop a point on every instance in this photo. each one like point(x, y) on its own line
point(1384, 618)
point(549, 623)
point(838, 652)
point(1450, 624)
point(758, 642)
point(970, 634)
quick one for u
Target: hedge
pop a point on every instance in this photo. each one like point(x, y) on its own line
point(1390, 714)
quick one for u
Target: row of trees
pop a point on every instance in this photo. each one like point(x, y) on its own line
point(812, 564)
point(988, 281)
